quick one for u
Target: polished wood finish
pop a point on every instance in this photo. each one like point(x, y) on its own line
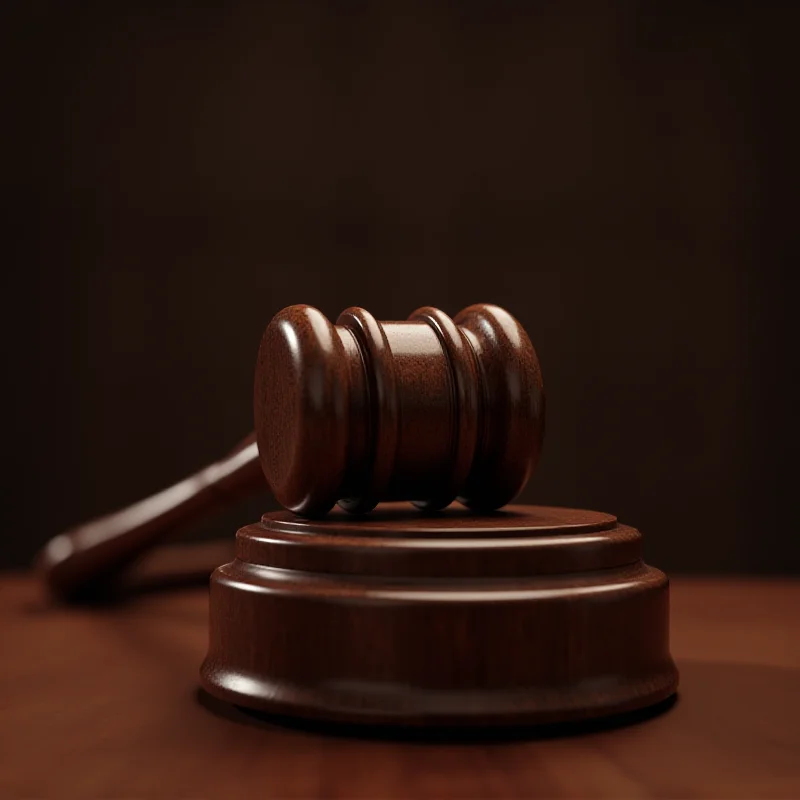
point(422, 410)
point(426, 410)
point(100, 703)
point(526, 615)
point(83, 561)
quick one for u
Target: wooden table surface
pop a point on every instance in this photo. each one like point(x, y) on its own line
point(105, 703)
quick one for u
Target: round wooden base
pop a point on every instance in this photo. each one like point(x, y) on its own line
point(524, 616)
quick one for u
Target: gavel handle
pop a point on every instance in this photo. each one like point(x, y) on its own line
point(85, 557)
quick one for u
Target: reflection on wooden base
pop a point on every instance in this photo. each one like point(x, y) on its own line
point(529, 615)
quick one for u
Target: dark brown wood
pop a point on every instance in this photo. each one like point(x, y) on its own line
point(85, 559)
point(526, 615)
point(425, 410)
point(363, 411)
point(100, 703)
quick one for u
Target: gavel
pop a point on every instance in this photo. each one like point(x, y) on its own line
point(430, 410)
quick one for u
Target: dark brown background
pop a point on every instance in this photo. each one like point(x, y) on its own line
point(615, 174)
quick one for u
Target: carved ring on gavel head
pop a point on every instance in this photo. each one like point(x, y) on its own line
point(427, 410)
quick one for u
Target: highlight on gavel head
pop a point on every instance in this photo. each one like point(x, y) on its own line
point(427, 410)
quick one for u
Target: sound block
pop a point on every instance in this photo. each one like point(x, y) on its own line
point(529, 615)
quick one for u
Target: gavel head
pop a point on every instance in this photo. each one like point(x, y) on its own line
point(427, 410)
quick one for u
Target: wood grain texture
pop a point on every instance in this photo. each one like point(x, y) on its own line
point(427, 410)
point(525, 615)
point(104, 703)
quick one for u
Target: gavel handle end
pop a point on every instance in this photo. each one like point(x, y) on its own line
point(76, 563)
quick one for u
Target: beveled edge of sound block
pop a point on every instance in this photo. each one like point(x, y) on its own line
point(527, 616)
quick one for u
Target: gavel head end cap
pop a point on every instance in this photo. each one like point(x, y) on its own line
point(300, 406)
point(512, 430)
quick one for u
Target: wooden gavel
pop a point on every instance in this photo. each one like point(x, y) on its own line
point(427, 410)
